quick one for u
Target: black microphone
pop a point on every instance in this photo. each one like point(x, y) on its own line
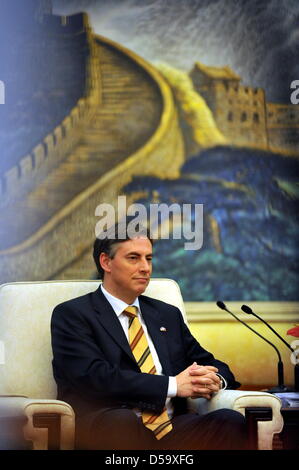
point(248, 310)
point(281, 387)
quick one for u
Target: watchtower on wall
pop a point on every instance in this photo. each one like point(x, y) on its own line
point(239, 110)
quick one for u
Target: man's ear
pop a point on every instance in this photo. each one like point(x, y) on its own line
point(105, 262)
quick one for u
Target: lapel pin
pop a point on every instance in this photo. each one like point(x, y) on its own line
point(163, 328)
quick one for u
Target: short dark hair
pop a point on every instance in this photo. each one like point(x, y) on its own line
point(108, 241)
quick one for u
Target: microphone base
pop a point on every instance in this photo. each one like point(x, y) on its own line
point(280, 389)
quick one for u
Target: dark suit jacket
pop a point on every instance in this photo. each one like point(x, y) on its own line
point(93, 364)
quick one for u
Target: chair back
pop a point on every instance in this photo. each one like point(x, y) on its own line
point(25, 340)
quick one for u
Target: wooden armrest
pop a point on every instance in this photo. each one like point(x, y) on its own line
point(50, 424)
point(253, 415)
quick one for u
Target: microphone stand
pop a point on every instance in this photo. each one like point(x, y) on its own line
point(249, 311)
point(280, 387)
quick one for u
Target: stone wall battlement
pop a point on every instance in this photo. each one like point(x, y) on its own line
point(70, 231)
point(236, 91)
point(33, 167)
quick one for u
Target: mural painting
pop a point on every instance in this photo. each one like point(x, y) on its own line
point(166, 103)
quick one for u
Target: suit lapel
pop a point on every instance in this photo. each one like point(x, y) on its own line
point(154, 322)
point(110, 322)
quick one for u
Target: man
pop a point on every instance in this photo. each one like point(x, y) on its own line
point(127, 363)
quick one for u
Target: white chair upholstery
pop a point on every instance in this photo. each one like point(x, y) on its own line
point(26, 355)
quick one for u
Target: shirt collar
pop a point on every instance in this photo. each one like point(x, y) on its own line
point(118, 305)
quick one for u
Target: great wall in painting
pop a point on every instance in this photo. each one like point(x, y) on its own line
point(127, 123)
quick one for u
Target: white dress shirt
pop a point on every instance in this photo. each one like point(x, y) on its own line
point(119, 306)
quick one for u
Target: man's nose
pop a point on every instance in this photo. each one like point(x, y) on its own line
point(145, 265)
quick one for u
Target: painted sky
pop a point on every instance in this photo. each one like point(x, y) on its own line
point(258, 39)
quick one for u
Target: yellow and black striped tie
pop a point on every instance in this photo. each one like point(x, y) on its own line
point(160, 424)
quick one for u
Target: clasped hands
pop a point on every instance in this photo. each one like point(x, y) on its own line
point(198, 381)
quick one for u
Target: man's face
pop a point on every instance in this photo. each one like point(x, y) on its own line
point(127, 274)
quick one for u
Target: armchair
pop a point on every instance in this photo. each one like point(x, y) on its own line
point(27, 386)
